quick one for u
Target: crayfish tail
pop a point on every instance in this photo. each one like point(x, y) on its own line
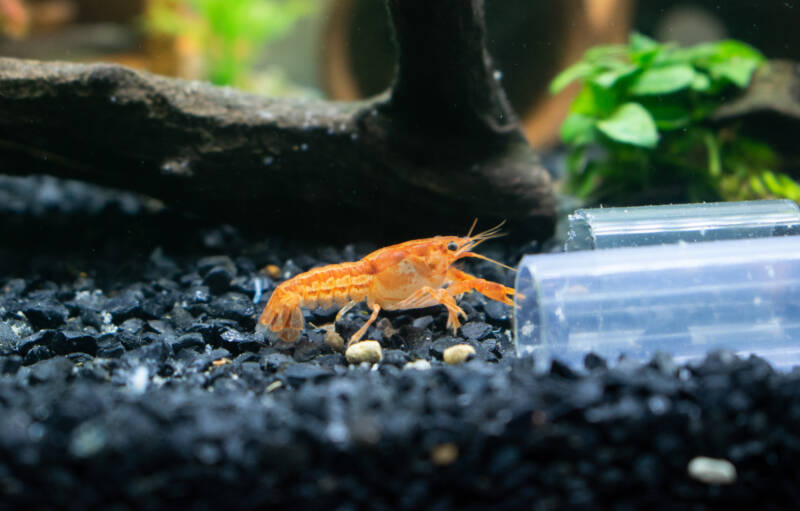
point(282, 318)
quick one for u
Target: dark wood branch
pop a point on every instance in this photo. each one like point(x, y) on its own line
point(441, 149)
point(769, 111)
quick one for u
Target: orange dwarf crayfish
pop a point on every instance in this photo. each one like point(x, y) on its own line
point(408, 275)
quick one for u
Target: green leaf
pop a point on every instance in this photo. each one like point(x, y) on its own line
point(640, 42)
point(729, 60)
point(714, 159)
point(578, 129)
point(643, 50)
point(610, 78)
point(701, 82)
point(668, 114)
point(574, 72)
point(594, 101)
point(694, 55)
point(631, 124)
point(663, 80)
point(731, 48)
point(606, 55)
point(781, 185)
point(737, 70)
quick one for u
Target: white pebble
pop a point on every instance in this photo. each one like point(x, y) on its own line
point(420, 365)
point(712, 470)
point(364, 351)
point(139, 379)
point(458, 353)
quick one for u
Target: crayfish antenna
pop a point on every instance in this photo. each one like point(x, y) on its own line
point(471, 227)
point(498, 263)
point(494, 232)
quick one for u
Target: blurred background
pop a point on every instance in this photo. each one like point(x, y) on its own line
point(341, 49)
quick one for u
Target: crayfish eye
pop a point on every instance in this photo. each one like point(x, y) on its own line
point(452, 246)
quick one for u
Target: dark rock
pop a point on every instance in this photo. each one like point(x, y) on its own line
point(129, 340)
point(204, 362)
point(182, 318)
point(109, 346)
point(238, 342)
point(218, 279)
point(46, 313)
point(133, 326)
point(125, 305)
point(561, 369)
point(275, 362)
point(309, 348)
point(91, 318)
point(54, 370)
point(492, 350)
point(300, 373)
point(594, 361)
point(475, 330)
point(497, 312)
point(8, 339)
point(397, 358)
point(35, 354)
point(212, 330)
point(41, 338)
point(160, 326)
point(192, 340)
point(422, 322)
point(158, 305)
point(80, 342)
point(157, 351)
point(237, 307)
point(9, 364)
point(331, 360)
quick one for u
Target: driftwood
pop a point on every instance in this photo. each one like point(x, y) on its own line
point(441, 148)
point(769, 111)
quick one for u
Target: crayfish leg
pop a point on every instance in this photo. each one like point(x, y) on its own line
point(363, 330)
point(464, 282)
point(344, 310)
point(427, 296)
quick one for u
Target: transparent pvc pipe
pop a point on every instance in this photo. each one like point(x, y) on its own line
point(652, 225)
point(684, 299)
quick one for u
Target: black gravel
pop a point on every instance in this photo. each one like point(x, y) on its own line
point(131, 378)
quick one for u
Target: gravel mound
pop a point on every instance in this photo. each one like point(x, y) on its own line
point(131, 378)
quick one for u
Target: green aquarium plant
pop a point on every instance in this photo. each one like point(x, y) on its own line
point(227, 33)
point(639, 129)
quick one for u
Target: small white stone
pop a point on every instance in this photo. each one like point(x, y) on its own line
point(364, 351)
point(458, 354)
point(712, 470)
point(420, 365)
point(139, 379)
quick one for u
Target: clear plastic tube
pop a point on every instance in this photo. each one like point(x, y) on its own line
point(684, 299)
point(653, 225)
